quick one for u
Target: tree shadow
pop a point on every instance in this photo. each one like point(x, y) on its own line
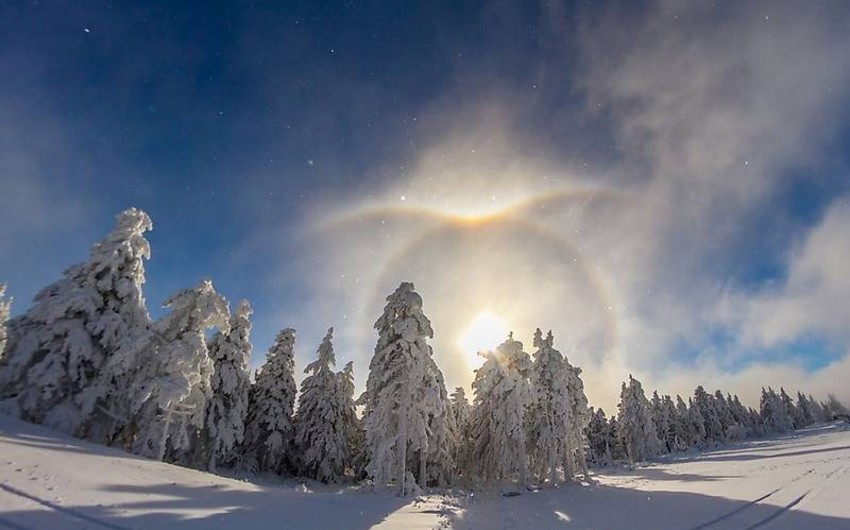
point(196, 500)
point(612, 508)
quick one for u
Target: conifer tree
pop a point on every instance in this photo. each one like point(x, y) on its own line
point(230, 384)
point(549, 415)
point(574, 452)
point(442, 429)
point(773, 413)
point(599, 438)
point(497, 432)
point(399, 402)
point(57, 349)
point(685, 430)
point(636, 428)
point(352, 426)
point(462, 411)
point(320, 434)
point(171, 380)
point(269, 431)
point(4, 316)
point(807, 415)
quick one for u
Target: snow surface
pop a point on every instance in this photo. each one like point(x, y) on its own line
point(49, 481)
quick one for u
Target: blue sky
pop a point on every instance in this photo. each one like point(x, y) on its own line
point(664, 186)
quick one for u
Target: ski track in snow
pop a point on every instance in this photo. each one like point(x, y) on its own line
point(52, 482)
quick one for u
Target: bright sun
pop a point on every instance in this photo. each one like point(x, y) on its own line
point(485, 332)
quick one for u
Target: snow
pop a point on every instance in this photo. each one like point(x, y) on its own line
point(50, 481)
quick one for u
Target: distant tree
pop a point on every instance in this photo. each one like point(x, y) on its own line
point(710, 416)
point(351, 424)
point(269, 430)
point(599, 438)
point(497, 431)
point(230, 384)
point(51, 370)
point(462, 411)
point(834, 407)
point(685, 429)
point(4, 316)
point(399, 401)
point(320, 434)
point(807, 415)
point(636, 428)
point(773, 412)
point(171, 381)
point(660, 419)
point(442, 429)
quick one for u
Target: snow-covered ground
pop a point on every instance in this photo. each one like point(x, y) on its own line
point(49, 481)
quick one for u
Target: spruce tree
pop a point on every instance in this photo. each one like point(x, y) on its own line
point(635, 422)
point(351, 424)
point(269, 431)
point(320, 434)
point(52, 368)
point(399, 399)
point(230, 385)
point(4, 316)
point(599, 439)
point(171, 379)
point(497, 431)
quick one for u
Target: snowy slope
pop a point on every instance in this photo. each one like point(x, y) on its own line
point(795, 482)
point(49, 481)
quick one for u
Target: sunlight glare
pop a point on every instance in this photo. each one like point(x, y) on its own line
point(485, 332)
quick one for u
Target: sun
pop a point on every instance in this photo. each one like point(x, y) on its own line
point(484, 332)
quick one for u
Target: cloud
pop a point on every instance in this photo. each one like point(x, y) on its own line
point(709, 112)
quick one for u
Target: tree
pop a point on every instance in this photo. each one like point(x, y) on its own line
point(442, 429)
point(807, 414)
point(599, 438)
point(550, 414)
point(52, 371)
point(660, 419)
point(351, 424)
point(4, 316)
point(684, 427)
point(773, 412)
point(636, 427)
point(171, 380)
point(398, 400)
point(230, 384)
point(319, 423)
point(502, 396)
point(462, 411)
point(269, 430)
point(711, 418)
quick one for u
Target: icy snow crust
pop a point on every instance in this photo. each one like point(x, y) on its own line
point(50, 481)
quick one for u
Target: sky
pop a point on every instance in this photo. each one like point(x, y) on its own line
point(664, 185)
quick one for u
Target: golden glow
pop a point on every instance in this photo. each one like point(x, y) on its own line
point(485, 332)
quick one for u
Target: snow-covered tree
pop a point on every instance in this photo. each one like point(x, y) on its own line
point(685, 428)
point(462, 411)
point(807, 414)
point(442, 429)
point(574, 459)
point(660, 419)
point(834, 407)
point(52, 369)
point(774, 415)
point(710, 416)
point(171, 380)
point(636, 428)
point(599, 438)
point(550, 414)
point(789, 407)
point(398, 400)
point(319, 422)
point(351, 423)
point(4, 316)
point(269, 429)
point(230, 384)
point(497, 433)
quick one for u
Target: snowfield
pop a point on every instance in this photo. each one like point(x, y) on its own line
point(52, 481)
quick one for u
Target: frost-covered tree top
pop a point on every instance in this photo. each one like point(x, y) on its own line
point(635, 422)
point(326, 358)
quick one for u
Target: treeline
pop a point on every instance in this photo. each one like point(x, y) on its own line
point(88, 360)
point(647, 428)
